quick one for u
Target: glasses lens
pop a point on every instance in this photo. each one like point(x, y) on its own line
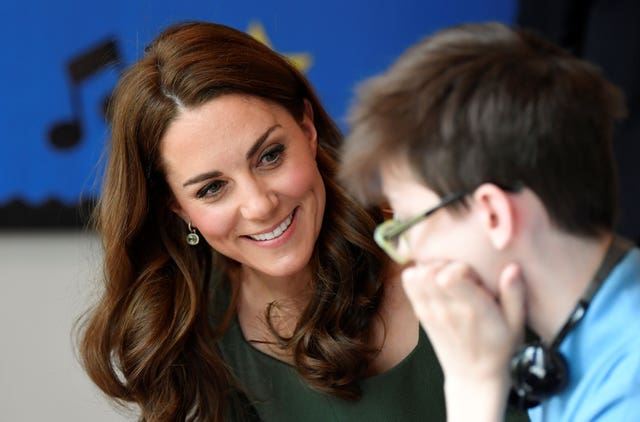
point(390, 237)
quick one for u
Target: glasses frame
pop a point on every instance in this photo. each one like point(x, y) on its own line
point(393, 228)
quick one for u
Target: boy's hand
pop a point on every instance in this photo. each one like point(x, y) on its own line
point(473, 333)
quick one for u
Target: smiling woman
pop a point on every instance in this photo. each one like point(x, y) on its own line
point(287, 310)
point(254, 190)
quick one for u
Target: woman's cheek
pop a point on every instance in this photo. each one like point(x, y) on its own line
point(215, 225)
point(305, 179)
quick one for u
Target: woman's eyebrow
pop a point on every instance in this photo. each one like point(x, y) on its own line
point(252, 151)
point(258, 143)
point(202, 177)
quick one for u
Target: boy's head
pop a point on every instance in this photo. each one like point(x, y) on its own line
point(483, 103)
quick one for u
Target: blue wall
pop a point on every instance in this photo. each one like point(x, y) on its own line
point(347, 41)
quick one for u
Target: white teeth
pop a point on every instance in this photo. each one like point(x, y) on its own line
point(276, 233)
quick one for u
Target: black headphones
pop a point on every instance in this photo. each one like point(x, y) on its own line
point(538, 372)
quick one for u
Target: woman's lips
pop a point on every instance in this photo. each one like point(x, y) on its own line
point(275, 233)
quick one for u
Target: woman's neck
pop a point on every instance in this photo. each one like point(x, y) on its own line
point(284, 298)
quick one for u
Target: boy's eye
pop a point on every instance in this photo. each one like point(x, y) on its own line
point(211, 189)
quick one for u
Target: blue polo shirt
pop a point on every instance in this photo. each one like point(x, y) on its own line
point(603, 352)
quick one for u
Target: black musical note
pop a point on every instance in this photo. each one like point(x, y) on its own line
point(67, 134)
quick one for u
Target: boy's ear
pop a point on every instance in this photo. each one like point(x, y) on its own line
point(497, 214)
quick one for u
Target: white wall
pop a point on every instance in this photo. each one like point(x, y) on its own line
point(46, 281)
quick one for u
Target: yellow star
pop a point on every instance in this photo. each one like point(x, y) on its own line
point(302, 61)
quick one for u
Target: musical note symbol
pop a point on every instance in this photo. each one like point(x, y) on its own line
point(67, 134)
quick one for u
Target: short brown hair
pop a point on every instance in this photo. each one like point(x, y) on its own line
point(487, 103)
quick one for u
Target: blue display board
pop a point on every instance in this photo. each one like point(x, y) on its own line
point(61, 60)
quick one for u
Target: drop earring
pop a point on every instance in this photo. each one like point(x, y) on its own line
point(192, 237)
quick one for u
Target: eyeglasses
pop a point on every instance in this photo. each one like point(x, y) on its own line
point(389, 234)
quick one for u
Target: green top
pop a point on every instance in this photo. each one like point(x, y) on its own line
point(410, 391)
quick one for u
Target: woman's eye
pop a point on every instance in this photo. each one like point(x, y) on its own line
point(272, 155)
point(211, 189)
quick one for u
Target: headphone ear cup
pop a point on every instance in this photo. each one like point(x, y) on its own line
point(536, 373)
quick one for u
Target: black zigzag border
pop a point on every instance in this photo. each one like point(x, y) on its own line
point(52, 214)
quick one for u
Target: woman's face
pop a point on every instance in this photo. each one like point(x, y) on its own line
point(243, 171)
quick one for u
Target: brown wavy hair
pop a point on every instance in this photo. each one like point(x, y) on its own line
point(150, 339)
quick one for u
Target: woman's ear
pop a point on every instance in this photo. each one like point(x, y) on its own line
point(308, 126)
point(177, 209)
point(497, 214)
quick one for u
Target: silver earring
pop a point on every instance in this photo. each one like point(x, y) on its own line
point(192, 237)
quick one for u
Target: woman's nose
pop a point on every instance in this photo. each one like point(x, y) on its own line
point(258, 202)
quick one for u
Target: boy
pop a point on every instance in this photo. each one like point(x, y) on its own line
point(493, 147)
